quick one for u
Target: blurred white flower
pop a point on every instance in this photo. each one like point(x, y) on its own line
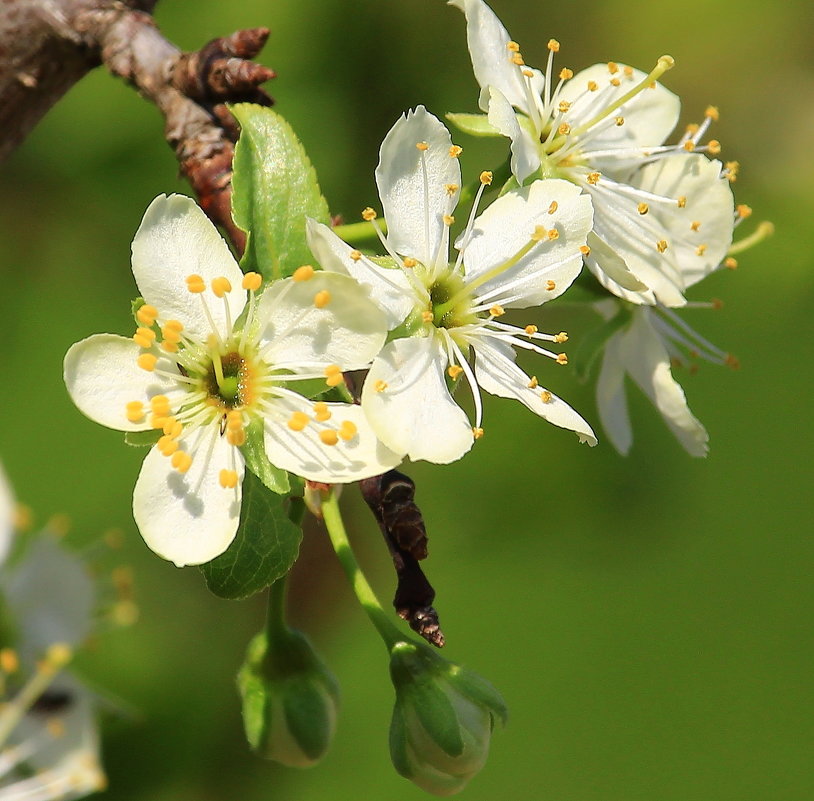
point(201, 373)
point(525, 249)
point(597, 129)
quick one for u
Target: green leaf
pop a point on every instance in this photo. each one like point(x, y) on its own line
point(254, 452)
point(593, 344)
point(274, 187)
point(473, 124)
point(265, 547)
point(143, 439)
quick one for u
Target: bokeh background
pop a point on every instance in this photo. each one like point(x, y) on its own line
point(648, 618)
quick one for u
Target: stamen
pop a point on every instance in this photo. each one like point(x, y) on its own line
point(167, 446)
point(328, 437)
point(306, 272)
point(147, 314)
point(355, 255)
point(322, 299)
point(546, 396)
point(144, 337)
point(661, 245)
point(422, 146)
point(730, 263)
point(228, 479)
point(252, 281)
point(553, 206)
point(347, 430)
point(333, 375)
point(642, 208)
point(135, 411)
point(477, 432)
point(221, 286)
point(380, 386)
point(427, 316)
point(550, 285)
point(497, 311)
point(410, 262)
point(743, 211)
point(562, 358)
point(681, 200)
point(298, 421)
point(454, 370)
point(195, 284)
point(368, 214)
point(561, 337)
point(321, 412)
point(763, 231)
point(530, 330)
point(455, 151)
point(147, 362)
point(533, 383)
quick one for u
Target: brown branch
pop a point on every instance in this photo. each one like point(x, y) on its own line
point(48, 45)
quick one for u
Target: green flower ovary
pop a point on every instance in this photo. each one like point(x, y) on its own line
point(451, 302)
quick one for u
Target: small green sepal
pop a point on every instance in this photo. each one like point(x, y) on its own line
point(473, 124)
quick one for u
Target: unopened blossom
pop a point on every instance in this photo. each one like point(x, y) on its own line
point(209, 358)
point(49, 742)
point(597, 128)
point(524, 249)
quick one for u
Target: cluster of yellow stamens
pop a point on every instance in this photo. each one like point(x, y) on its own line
point(299, 421)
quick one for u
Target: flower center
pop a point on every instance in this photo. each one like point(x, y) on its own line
point(229, 380)
point(450, 302)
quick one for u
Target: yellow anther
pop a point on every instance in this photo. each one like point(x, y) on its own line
point(592, 86)
point(585, 250)
point(731, 169)
point(304, 273)
point(730, 263)
point(477, 433)
point(545, 395)
point(692, 128)
point(564, 106)
point(167, 445)
point(593, 178)
point(9, 661)
point(553, 234)
point(454, 370)
point(713, 113)
point(562, 358)
point(333, 375)
point(380, 386)
point(564, 129)
point(147, 362)
point(661, 245)
point(732, 361)
point(172, 427)
point(486, 177)
point(195, 284)
point(144, 337)
point(695, 225)
point(540, 233)
point(181, 461)
point(135, 411)
point(553, 206)
point(497, 310)
point(422, 146)
point(368, 214)
point(328, 437)
point(566, 74)
point(713, 147)
point(743, 210)
point(298, 421)
point(228, 479)
point(448, 219)
point(451, 189)
point(550, 285)
point(172, 335)
point(513, 47)
point(348, 430)
point(533, 382)
point(531, 330)
point(561, 337)
point(147, 314)
point(221, 286)
point(236, 436)
point(619, 121)
point(642, 208)
point(160, 404)
point(252, 281)
point(409, 262)
point(321, 412)
point(157, 421)
point(700, 250)
point(615, 82)
point(455, 151)
point(717, 304)
point(322, 299)
point(517, 59)
point(234, 419)
point(173, 325)
point(553, 45)
point(628, 72)
point(681, 201)
point(427, 316)
point(613, 67)
point(169, 347)
point(527, 73)
point(689, 145)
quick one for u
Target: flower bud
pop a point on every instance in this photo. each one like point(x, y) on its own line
point(442, 720)
point(290, 699)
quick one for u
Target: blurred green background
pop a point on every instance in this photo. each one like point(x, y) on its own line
point(647, 619)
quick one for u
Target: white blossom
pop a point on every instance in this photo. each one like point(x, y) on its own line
point(205, 362)
point(525, 249)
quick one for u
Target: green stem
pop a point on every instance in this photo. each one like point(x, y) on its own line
point(358, 232)
point(364, 592)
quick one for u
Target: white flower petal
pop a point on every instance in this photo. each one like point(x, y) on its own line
point(488, 48)
point(525, 152)
point(649, 116)
point(51, 597)
point(499, 375)
point(6, 516)
point(102, 377)
point(175, 240)
point(648, 363)
point(611, 400)
point(507, 226)
point(603, 259)
point(348, 330)
point(414, 413)
point(414, 207)
point(700, 231)
point(189, 518)
point(304, 454)
point(389, 288)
